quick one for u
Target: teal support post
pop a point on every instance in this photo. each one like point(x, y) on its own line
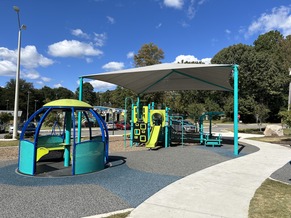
point(167, 128)
point(80, 113)
point(149, 121)
point(201, 128)
point(125, 121)
point(235, 109)
point(131, 124)
point(210, 124)
point(138, 108)
point(68, 138)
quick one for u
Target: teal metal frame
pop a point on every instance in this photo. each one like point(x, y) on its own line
point(235, 109)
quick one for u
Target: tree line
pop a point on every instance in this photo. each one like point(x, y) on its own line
point(263, 84)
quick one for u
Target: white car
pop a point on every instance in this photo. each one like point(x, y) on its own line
point(111, 125)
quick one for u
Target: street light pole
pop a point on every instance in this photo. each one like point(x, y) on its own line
point(7, 102)
point(20, 28)
point(35, 108)
point(27, 109)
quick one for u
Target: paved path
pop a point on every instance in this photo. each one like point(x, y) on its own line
point(223, 190)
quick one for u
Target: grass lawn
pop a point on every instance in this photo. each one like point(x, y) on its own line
point(9, 143)
point(272, 199)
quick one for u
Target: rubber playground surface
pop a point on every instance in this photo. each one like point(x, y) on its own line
point(131, 178)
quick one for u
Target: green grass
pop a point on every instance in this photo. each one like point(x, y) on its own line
point(9, 143)
point(272, 199)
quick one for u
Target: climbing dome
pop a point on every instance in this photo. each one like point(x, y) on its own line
point(83, 149)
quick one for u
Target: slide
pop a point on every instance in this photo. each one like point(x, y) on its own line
point(153, 137)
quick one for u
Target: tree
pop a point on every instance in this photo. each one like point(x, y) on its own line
point(263, 77)
point(149, 54)
point(195, 111)
point(286, 117)
point(89, 95)
point(261, 113)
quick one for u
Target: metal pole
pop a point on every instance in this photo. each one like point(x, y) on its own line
point(15, 126)
point(289, 96)
point(235, 109)
point(80, 113)
point(27, 109)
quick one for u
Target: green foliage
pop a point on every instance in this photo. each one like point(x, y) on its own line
point(89, 95)
point(149, 54)
point(5, 117)
point(263, 76)
point(195, 111)
point(286, 117)
point(52, 118)
point(262, 113)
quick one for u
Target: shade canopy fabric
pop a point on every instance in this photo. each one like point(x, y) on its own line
point(170, 77)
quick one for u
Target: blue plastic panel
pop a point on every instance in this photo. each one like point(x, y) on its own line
point(26, 157)
point(89, 157)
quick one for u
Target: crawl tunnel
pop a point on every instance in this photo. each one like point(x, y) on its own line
point(83, 149)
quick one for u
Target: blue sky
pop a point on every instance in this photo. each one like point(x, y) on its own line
point(66, 39)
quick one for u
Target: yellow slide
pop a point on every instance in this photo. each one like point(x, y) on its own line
point(153, 137)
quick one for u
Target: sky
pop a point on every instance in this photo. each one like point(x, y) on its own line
point(70, 38)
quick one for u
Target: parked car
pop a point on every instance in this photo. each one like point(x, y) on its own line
point(111, 125)
point(121, 125)
point(188, 127)
point(30, 130)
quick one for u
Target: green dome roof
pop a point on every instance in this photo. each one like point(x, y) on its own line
point(68, 103)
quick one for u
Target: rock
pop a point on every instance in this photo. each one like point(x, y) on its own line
point(273, 130)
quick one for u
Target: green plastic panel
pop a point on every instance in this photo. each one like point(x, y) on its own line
point(26, 157)
point(89, 157)
point(68, 103)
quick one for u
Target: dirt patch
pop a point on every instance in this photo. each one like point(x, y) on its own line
point(116, 144)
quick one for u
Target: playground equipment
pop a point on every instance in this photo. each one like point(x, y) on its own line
point(83, 156)
point(149, 125)
point(208, 138)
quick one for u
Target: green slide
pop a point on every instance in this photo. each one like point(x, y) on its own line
point(151, 143)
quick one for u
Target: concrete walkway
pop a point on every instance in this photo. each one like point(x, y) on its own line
point(223, 190)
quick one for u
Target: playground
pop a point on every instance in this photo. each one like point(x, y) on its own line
point(192, 180)
point(137, 175)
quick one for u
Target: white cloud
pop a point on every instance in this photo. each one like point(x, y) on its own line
point(46, 79)
point(178, 4)
point(112, 66)
point(30, 59)
point(191, 11)
point(111, 20)
point(159, 25)
point(30, 75)
point(80, 33)
point(58, 85)
point(130, 54)
point(99, 39)
point(206, 60)
point(7, 68)
point(278, 19)
point(73, 48)
point(227, 31)
point(101, 86)
point(191, 58)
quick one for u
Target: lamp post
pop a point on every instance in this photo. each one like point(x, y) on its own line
point(20, 28)
point(289, 96)
point(35, 101)
point(27, 109)
point(7, 102)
